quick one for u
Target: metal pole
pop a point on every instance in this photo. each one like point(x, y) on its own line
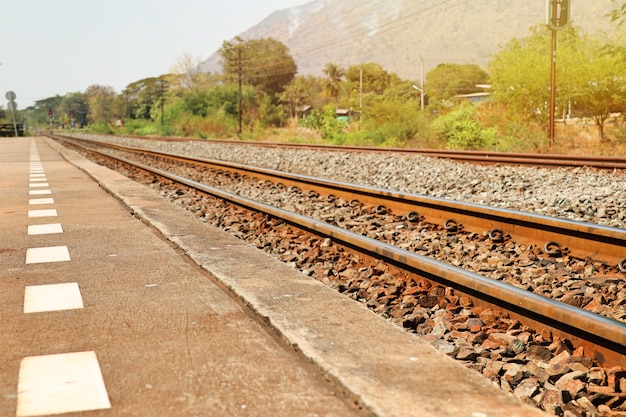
point(422, 85)
point(162, 108)
point(13, 113)
point(361, 90)
point(240, 79)
point(553, 79)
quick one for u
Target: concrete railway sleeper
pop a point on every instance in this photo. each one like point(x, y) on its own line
point(552, 354)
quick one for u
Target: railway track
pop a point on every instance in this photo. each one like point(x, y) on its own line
point(482, 157)
point(429, 282)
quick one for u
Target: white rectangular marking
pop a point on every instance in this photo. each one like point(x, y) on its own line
point(36, 201)
point(54, 297)
point(39, 192)
point(62, 383)
point(38, 179)
point(37, 175)
point(47, 254)
point(45, 229)
point(38, 184)
point(42, 213)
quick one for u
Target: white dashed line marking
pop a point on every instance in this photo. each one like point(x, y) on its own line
point(39, 192)
point(38, 184)
point(62, 383)
point(47, 254)
point(53, 297)
point(36, 201)
point(45, 229)
point(42, 213)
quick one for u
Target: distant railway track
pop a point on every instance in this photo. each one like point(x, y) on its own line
point(602, 338)
point(481, 157)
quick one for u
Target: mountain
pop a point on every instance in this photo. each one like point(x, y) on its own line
point(398, 34)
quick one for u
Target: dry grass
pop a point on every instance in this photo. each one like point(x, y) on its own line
point(584, 139)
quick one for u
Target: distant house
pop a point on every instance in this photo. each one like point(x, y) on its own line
point(304, 111)
point(478, 97)
point(473, 97)
point(343, 114)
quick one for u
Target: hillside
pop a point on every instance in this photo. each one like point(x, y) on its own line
point(396, 33)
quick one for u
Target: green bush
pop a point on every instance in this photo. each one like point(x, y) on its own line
point(100, 127)
point(327, 124)
point(462, 131)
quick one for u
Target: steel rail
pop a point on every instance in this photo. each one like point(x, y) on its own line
point(579, 239)
point(602, 338)
point(481, 157)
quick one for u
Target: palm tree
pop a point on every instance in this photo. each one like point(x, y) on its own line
point(335, 75)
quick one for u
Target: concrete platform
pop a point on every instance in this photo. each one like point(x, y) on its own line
point(100, 316)
point(162, 337)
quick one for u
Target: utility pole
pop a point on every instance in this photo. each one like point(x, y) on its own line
point(421, 87)
point(361, 90)
point(162, 88)
point(422, 84)
point(240, 82)
point(557, 18)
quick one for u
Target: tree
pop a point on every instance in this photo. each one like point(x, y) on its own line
point(588, 77)
point(332, 85)
point(375, 78)
point(140, 97)
point(263, 63)
point(520, 74)
point(448, 80)
point(600, 84)
point(42, 107)
point(100, 99)
point(73, 108)
point(296, 94)
point(618, 15)
point(187, 70)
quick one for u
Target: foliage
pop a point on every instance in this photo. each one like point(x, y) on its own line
point(448, 80)
point(587, 77)
point(100, 127)
point(461, 130)
point(391, 122)
point(375, 78)
point(100, 99)
point(140, 127)
point(332, 85)
point(260, 88)
point(263, 63)
point(327, 124)
point(141, 97)
point(618, 15)
point(296, 94)
point(73, 109)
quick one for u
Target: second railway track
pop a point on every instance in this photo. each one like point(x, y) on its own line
point(602, 339)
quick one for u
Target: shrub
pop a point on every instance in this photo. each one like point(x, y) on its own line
point(461, 130)
point(327, 124)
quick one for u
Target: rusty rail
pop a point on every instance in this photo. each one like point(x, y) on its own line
point(579, 239)
point(603, 338)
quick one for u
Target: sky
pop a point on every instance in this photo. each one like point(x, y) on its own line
point(51, 48)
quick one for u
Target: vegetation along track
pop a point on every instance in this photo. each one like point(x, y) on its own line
point(494, 318)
